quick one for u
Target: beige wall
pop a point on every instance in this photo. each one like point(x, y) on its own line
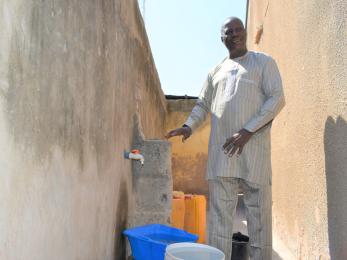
point(188, 158)
point(72, 76)
point(309, 155)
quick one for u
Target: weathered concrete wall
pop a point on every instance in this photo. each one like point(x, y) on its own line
point(308, 40)
point(72, 76)
point(189, 158)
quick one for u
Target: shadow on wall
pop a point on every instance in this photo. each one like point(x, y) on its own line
point(335, 146)
point(275, 256)
point(122, 214)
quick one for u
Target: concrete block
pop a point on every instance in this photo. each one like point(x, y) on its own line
point(157, 154)
point(154, 194)
point(147, 217)
point(152, 183)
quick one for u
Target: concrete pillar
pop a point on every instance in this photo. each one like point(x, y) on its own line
point(152, 184)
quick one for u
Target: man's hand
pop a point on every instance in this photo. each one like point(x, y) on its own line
point(186, 131)
point(236, 142)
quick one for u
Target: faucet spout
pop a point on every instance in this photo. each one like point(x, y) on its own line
point(135, 155)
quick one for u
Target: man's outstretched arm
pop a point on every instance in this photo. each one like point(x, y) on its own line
point(198, 114)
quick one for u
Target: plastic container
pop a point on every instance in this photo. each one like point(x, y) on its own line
point(178, 194)
point(178, 210)
point(192, 251)
point(150, 241)
point(240, 249)
point(195, 216)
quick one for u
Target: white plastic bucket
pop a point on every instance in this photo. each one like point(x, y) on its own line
point(192, 251)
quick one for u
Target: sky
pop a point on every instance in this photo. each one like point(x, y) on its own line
point(185, 39)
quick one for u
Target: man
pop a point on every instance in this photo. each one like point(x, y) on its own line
point(243, 94)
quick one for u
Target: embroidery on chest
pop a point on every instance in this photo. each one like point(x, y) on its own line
point(230, 84)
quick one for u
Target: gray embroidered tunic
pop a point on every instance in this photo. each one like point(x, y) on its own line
point(245, 92)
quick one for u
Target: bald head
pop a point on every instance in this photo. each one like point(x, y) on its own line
point(229, 20)
point(234, 36)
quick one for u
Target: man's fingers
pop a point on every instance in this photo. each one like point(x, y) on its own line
point(173, 133)
point(170, 134)
point(228, 148)
point(233, 151)
point(236, 136)
point(231, 140)
point(185, 131)
point(228, 142)
point(240, 150)
point(185, 137)
point(235, 144)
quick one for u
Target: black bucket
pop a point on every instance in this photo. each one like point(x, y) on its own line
point(240, 249)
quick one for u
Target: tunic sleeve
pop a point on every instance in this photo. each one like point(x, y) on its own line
point(272, 88)
point(202, 107)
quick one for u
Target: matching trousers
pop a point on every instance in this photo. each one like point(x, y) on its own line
point(258, 202)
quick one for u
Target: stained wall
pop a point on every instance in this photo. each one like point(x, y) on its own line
point(72, 76)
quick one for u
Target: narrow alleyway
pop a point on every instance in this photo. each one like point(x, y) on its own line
point(78, 83)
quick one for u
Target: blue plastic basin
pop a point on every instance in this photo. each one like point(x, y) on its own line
point(149, 242)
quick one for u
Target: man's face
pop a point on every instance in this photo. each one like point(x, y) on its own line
point(234, 35)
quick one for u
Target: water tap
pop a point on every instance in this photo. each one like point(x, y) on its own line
point(135, 155)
